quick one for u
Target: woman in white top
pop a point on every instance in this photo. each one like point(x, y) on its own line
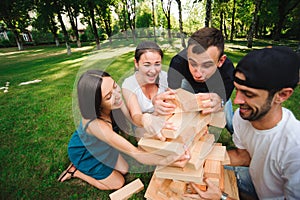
point(147, 81)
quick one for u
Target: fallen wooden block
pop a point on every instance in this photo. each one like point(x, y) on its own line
point(161, 147)
point(128, 190)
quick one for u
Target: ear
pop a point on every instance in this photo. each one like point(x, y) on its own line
point(221, 60)
point(136, 65)
point(283, 95)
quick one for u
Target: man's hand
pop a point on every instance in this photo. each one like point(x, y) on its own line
point(211, 102)
point(213, 192)
point(163, 103)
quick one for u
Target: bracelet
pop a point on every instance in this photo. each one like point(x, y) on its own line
point(224, 196)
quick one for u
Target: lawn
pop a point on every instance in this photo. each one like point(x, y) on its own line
point(37, 119)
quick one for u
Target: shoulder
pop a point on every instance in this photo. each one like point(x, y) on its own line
point(129, 82)
point(179, 59)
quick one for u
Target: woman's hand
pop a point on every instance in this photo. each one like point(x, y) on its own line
point(163, 103)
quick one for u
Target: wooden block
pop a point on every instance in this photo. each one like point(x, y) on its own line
point(180, 121)
point(201, 121)
point(200, 150)
point(217, 153)
point(230, 184)
point(218, 119)
point(227, 159)
point(187, 101)
point(161, 147)
point(202, 187)
point(154, 184)
point(179, 187)
point(212, 169)
point(182, 174)
point(128, 190)
point(221, 184)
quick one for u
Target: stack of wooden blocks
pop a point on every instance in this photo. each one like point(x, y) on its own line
point(207, 157)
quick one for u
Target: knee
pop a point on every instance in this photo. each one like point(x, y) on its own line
point(118, 183)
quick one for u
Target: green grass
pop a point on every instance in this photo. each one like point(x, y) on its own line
point(37, 119)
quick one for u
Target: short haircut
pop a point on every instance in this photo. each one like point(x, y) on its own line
point(205, 38)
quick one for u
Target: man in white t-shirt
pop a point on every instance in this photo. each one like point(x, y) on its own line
point(267, 136)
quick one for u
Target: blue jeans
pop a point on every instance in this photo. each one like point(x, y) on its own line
point(228, 110)
point(244, 181)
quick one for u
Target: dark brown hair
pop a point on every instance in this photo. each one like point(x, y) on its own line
point(147, 46)
point(206, 37)
point(90, 93)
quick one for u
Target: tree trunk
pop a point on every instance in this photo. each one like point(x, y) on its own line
point(96, 35)
point(208, 13)
point(73, 22)
point(18, 40)
point(232, 21)
point(253, 24)
point(180, 23)
point(66, 35)
point(153, 19)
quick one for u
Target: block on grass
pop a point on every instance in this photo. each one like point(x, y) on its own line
point(128, 190)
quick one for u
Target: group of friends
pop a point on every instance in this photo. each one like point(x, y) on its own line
point(266, 159)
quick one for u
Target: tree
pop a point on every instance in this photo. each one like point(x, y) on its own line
point(15, 15)
point(59, 11)
point(253, 24)
point(232, 20)
point(45, 20)
point(180, 23)
point(285, 7)
point(131, 15)
point(208, 12)
point(167, 12)
point(72, 8)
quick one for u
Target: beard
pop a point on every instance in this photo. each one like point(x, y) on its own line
point(258, 113)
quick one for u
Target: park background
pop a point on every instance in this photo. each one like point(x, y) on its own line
point(39, 41)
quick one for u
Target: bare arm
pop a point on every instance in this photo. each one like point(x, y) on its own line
point(239, 157)
point(104, 132)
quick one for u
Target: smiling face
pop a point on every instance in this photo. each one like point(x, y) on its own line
point(203, 65)
point(111, 95)
point(149, 67)
point(254, 103)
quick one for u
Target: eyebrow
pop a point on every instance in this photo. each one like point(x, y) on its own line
point(110, 92)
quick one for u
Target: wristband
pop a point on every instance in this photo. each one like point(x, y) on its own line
point(224, 196)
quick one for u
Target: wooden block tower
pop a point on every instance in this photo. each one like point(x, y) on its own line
point(207, 158)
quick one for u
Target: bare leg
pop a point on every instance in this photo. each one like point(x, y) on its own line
point(114, 181)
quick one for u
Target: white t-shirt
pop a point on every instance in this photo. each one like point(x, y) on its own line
point(146, 105)
point(275, 156)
